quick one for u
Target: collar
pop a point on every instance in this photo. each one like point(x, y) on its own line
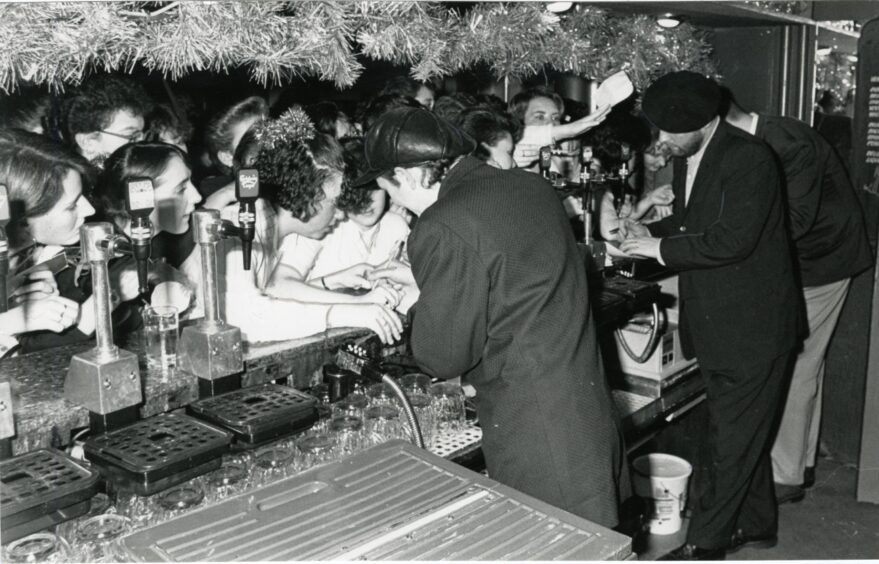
point(752, 129)
point(698, 156)
point(458, 170)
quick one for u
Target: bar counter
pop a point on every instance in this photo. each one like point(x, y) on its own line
point(43, 418)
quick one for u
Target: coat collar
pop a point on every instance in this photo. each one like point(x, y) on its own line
point(457, 175)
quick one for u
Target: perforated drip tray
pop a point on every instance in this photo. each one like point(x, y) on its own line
point(157, 453)
point(42, 488)
point(259, 413)
point(390, 502)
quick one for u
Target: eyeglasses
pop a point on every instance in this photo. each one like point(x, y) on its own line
point(133, 138)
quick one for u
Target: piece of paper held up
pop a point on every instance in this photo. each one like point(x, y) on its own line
point(613, 90)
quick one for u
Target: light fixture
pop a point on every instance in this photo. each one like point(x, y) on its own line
point(558, 7)
point(668, 21)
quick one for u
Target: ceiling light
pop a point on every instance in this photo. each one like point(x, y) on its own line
point(668, 21)
point(559, 7)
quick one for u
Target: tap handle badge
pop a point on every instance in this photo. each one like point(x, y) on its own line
point(140, 198)
point(247, 184)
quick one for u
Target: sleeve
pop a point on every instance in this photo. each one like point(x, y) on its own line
point(664, 227)
point(747, 194)
point(300, 253)
point(450, 322)
point(802, 174)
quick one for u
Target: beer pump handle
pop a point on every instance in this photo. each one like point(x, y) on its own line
point(545, 160)
point(140, 200)
point(4, 246)
point(247, 191)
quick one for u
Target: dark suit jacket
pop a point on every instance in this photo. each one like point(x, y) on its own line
point(826, 220)
point(504, 300)
point(738, 298)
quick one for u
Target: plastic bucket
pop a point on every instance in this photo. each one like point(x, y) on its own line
point(661, 479)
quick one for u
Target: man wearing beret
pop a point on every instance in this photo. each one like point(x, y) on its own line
point(739, 306)
point(504, 301)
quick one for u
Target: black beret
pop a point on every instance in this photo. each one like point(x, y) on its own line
point(409, 137)
point(681, 102)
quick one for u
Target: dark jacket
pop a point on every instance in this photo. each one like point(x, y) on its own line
point(826, 219)
point(738, 297)
point(504, 300)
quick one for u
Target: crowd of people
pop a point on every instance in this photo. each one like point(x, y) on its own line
point(412, 199)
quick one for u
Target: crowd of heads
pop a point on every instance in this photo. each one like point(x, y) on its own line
point(109, 130)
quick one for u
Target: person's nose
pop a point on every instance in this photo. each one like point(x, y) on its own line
point(192, 195)
point(85, 208)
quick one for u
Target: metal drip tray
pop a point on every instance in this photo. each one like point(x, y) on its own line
point(391, 502)
point(42, 488)
point(157, 453)
point(259, 413)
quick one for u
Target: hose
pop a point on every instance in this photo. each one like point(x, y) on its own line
point(407, 409)
point(651, 342)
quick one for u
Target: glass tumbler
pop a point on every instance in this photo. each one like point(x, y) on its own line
point(96, 538)
point(38, 547)
point(160, 333)
point(448, 407)
point(180, 499)
point(271, 464)
point(227, 480)
point(315, 450)
point(382, 424)
point(421, 404)
point(353, 404)
point(381, 394)
point(348, 432)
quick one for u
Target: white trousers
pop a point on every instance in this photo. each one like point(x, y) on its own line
point(796, 444)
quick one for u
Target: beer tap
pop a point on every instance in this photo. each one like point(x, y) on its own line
point(246, 191)
point(596, 251)
point(7, 422)
point(106, 379)
point(140, 199)
point(211, 349)
point(545, 161)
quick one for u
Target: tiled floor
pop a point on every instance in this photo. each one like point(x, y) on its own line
point(828, 525)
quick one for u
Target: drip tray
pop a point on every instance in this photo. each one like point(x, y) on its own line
point(259, 414)
point(156, 453)
point(391, 502)
point(42, 488)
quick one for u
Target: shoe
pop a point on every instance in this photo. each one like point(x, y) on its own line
point(741, 540)
point(809, 477)
point(693, 552)
point(788, 494)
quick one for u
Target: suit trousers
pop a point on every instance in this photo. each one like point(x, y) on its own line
point(796, 444)
point(736, 488)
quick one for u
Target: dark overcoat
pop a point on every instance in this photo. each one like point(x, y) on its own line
point(504, 300)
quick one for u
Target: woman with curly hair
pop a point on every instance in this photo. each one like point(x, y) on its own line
point(370, 237)
point(301, 173)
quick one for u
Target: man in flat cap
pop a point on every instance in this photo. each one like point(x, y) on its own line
point(504, 301)
point(739, 306)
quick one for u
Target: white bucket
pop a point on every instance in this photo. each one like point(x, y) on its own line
point(661, 479)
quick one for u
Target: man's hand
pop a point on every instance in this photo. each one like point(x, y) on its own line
point(356, 276)
point(647, 247)
point(629, 228)
point(398, 272)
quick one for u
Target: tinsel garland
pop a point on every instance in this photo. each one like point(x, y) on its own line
point(60, 43)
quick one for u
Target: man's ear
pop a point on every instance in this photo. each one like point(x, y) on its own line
point(87, 143)
point(225, 157)
point(404, 177)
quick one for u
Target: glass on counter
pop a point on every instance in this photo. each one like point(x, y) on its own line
point(231, 478)
point(353, 404)
point(316, 449)
point(382, 423)
point(381, 394)
point(38, 547)
point(448, 407)
point(180, 499)
point(272, 463)
point(348, 433)
point(96, 538)
point(160, 334)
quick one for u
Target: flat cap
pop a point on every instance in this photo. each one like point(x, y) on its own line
point(409, 137)
point(681, 102)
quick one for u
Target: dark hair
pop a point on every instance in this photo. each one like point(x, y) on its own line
point(492, 102)
point(162, 119)
point(435, 170)
point(25, 110)
point(144, 159)
point(452, 106)
point(33, 168)
point(619, 127)
point(404, 85)
point(379, 105)
point(324, 116)
point(92, 107)
point(519, 103)
point(355, 200)
point(218, 134)
point(488, 128)
point(292, 173)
